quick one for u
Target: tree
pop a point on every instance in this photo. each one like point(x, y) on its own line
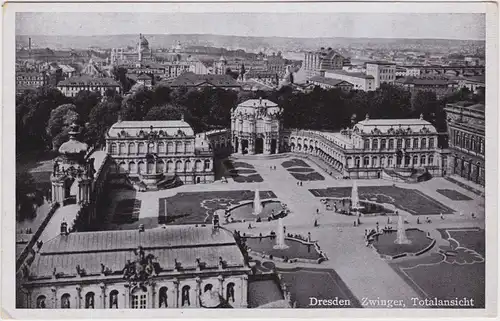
point(33, 110)
point(120, 75)
point(137, 105)
point(101, 118)
point(86, 100)
point(231, 73)
point(58, 125)
point(165, 112)
point(27, 196)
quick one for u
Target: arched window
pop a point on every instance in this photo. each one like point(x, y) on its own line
point(185, 300)
point(132, 148)
point(151, 167)
point(199, 165)
point(122, 149)
point(423, 144)
point(170, 148)
point(389, 161)
point(431, 160)
point(40, 302)
point(207, 164)
point(65, 301)
point(415, 142)
point(89, 300)
point(374, 161)
point(383, 144)
point(178, 148)
point(178, 166)
point(399, 143)
point(391, 143)
point(161, 148)
point(151, 148)
point(163, 297)
point(431, 142)
point(170, 166)
point(132, 168)
point(123, 168)
point(142, 148)
point(367, 144)
point(366, 161)
point(208, 287)
point(113, 149)
point(189, 147)
point(230, 292)
point(415, 160)
point(375, 144)
point(113, 299)
point(382, 161)
point(187, 165)
point(422, 160)
point(160, 166)
point(141, 167)
point(139, 298)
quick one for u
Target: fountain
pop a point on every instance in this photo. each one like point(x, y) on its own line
point(401, 237)
point(355, 197)
point(257, 205)
point(280, 238)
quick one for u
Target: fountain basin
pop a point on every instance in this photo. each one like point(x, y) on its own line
point(245, 212)
point(385, 244)
point(366, 208)
point(297, 250)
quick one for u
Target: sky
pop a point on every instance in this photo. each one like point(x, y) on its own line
point(356, 25)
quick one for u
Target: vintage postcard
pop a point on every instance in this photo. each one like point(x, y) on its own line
point(281, 159)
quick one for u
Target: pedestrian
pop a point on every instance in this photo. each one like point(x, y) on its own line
point(441, 216)
point(388, 220)
point(418, 220)
point(354, 223)
point(249, 226)
point(315, 223)
point(473, 215)
point(359, 222)
point(317, 211)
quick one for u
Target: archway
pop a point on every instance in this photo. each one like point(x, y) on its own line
point(244, 146)
point(259, 146)
point(273, 146)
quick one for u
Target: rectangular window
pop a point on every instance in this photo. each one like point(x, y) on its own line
point(139, 301)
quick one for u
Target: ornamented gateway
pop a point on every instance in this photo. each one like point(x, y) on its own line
point(255, 127)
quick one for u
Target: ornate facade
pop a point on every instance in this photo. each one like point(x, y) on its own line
point(255, 127)
point(137, 269)
point(373, 148)
point(160, 151)
point(466, 125)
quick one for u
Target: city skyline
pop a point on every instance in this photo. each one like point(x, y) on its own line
point(342, 25)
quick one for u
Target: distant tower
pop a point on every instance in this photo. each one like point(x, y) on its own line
point(139, 48)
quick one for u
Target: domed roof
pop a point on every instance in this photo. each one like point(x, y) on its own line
point(73, 146)
point(144, 41)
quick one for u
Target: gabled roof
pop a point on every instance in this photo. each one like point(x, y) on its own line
point(88, 81)
point(190, 79)
point(329, 81)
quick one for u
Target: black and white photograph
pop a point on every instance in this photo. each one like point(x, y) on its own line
point(250, 160)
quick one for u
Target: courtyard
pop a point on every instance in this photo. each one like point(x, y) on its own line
point(353, 270)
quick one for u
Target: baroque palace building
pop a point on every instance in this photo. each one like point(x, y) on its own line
point(405, 149)
point(183, 266)
point(160, 152)
point(466, 132)
point(374, 148)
